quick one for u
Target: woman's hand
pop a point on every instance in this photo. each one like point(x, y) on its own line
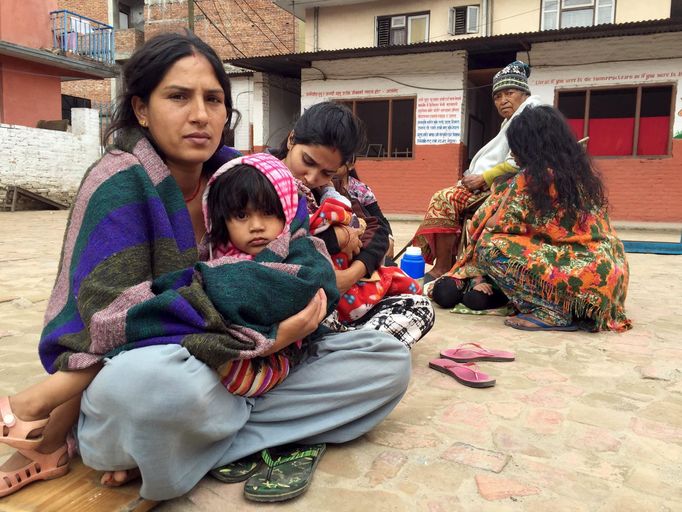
point(474, 182)
point(347, 278)
point(301, 324)
point(348, 239)
point(484, 287)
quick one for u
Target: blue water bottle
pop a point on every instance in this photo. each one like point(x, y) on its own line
point(412, 262)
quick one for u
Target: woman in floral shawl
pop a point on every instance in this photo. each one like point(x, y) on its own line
point(544, 236)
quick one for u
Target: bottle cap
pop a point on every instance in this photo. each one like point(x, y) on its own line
point(413, 250)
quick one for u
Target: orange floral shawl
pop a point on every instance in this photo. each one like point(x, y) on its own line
point(579, 266)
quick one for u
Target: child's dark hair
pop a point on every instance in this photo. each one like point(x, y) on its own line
point(327, 124)
point(237, 189)
point(540, 139)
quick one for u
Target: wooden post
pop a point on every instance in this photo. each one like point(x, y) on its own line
point(190, 14)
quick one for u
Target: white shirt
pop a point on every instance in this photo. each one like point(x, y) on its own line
point(497, 150)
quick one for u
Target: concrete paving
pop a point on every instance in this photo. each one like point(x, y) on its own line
point(579, 422)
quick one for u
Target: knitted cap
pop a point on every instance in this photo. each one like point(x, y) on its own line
point(513, 76)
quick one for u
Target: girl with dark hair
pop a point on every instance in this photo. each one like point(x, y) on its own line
point(544, 236)
point(326, 137)
point(253, 220)
point(136, 294)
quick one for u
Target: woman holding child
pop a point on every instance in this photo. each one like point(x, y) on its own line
point(314, 157)
point(131, 287)
point(543, 236)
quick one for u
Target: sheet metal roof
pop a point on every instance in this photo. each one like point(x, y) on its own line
point(71, 67)
point(290, 64)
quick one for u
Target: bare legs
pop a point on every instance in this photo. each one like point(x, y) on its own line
point(57, 396)
point(39, 401)
point(61, 421)
point(443, 243)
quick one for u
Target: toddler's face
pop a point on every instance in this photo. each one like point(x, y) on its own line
point(251, 230)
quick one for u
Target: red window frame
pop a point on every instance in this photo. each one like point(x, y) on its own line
point(633, 136)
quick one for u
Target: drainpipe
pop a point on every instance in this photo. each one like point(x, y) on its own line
point(316, 29)
point(485, 4)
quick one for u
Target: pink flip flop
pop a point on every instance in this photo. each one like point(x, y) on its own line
point(461, 354)
point(464, 373)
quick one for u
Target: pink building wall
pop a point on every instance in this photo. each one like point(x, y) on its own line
point(27, 22)
point(28, 92)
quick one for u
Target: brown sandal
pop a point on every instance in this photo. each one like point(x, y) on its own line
point(15, 431)
point(43, 466)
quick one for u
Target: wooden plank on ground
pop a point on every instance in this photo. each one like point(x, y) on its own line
point(78, 491)
point(20, 191)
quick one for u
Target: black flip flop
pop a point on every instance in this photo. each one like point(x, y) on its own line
point(239, 470)
point(286, 473)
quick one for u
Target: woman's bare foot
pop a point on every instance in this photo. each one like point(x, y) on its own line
point(515, 321)
point(118, 478)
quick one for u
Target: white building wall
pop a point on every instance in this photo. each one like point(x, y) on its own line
point(354, 26)
point(608, 62)
point(435, 80)
point(242, 99)
point(48, 162)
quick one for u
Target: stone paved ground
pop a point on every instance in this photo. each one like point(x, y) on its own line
point(579, 422)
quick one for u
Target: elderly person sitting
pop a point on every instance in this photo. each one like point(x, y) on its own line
point(543, 237)
point(439, 232)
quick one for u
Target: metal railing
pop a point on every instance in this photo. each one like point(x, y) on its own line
point(84, 36)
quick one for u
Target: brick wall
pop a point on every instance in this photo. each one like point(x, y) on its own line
point(645, 189)
point(95, 90)
point(127, 41)
point(255, 27)
point(48, 162)
point(96, 9)
point(402, 185)
point(406, 186)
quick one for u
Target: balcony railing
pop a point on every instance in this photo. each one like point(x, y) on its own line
point(74, 33)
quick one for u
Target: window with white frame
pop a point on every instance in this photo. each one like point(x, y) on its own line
point(402, 29)
point(576, 13)
point(463, 20)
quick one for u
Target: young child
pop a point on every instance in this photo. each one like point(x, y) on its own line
point(256, 224)
point(336, 211)
point(260, 241)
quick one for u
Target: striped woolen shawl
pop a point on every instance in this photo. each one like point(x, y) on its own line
point(131, 274)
